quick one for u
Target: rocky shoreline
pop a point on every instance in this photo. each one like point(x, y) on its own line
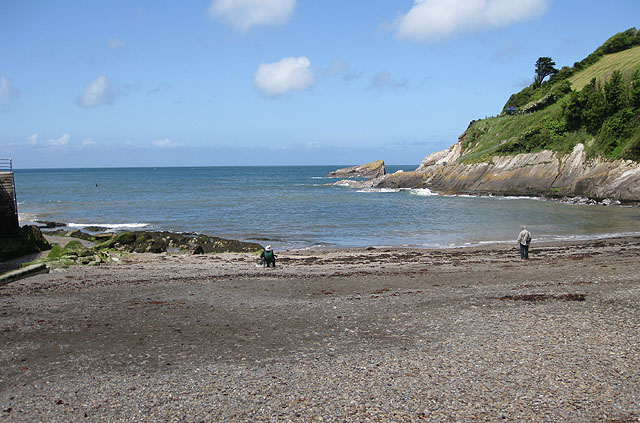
point(386, 334)
point(533, 174)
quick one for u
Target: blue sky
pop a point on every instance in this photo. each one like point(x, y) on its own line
point(272, 82)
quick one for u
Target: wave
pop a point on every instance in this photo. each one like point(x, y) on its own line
point(115, 226)
point(380, 190)
point(423, 192)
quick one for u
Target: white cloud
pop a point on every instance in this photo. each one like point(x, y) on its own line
point(8, 93)
point(32, 139)
point(384, 80)
point(165, 143)
point(115, 44)
point(289, 74)
point(432, 20)
point(87, 142)
point(60, 142)
point(243, 14)
point(101, 91)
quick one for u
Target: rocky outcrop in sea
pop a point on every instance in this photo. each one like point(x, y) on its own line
point(368, 170)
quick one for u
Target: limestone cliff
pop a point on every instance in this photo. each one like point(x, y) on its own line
point(543, 173)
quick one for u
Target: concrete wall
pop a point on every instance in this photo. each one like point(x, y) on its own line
point(8, 209)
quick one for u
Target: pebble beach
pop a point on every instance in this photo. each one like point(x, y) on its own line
point(346, 335)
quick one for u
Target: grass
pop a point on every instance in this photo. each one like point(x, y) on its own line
point(626, 61)
point(484, 137)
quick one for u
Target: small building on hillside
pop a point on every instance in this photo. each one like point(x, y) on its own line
point(511, 111)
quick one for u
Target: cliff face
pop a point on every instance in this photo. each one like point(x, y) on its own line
point(542, 173)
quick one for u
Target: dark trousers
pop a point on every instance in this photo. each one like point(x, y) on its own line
point(524, 251)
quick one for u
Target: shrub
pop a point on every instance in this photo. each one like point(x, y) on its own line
point(555, 129)
point(595, 110)
point(573, 108)
point(634, 90)
point(614, 130)
point(615, 93)
point(620, 41)
point(632, 151)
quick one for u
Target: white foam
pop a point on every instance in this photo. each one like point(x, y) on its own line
point(110, 225)
point(423, 192)
point(379, 190)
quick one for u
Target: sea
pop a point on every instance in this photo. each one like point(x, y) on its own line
point(297, 207)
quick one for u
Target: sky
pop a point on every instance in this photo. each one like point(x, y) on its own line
point(272, 82)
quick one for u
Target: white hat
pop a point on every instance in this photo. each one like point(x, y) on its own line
point(267, 248)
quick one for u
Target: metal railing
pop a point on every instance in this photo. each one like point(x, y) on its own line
point(6, 165)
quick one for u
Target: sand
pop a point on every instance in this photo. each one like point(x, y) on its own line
point(384, 334)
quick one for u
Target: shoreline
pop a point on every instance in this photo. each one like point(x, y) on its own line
point(544, 239)
point(388, 334)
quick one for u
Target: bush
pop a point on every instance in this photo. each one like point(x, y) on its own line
point(521, 98)
point(531, 140)
point(632, 152)
point(620, 41)
point(615, 130)
point(555, 129)
point(595, 109)
point(634, 90)
point(615, 93)
point(573, 108)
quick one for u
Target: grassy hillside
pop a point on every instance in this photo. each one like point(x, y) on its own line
point(625, 61)
point(595, 102)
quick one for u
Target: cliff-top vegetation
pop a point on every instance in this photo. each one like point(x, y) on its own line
point(595, 102)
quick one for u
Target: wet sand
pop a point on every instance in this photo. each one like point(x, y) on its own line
point(384, 334)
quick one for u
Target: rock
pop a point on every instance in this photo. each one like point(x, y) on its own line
point(159, 242)
point(29, 240)
point(49, 224)
point(537, 174)
point(401, 180)
point(368, 170)
point(96, 229)
point(81, 235)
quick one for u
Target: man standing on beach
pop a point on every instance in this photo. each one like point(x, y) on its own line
point(524, 239)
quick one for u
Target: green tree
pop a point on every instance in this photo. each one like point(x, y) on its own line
point(573, 110)
point(615, 93)
point(595, 109)
point(544, 68)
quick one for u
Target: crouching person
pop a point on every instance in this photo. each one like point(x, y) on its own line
point(268, 257)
